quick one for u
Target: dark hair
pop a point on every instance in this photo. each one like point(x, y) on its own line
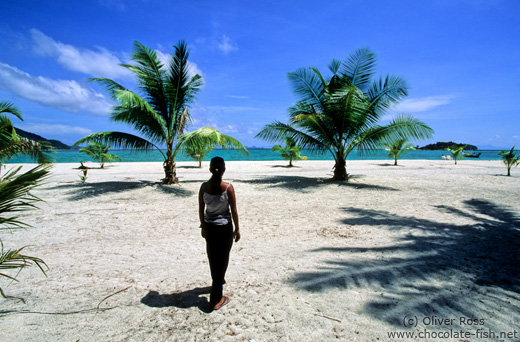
point(217, 166)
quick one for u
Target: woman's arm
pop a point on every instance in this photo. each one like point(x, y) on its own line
point(202, 206)
point(234, 212)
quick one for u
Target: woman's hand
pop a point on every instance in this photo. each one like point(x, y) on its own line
point(236, 235)
point(203, 230)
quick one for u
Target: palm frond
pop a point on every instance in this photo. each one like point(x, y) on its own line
point(151, 77)
point(401, 127)
point(110, 86)
point(119, 140)
point(13, 259)
point(383, 94)
point(308, 86)
point(358, 68)
point(15, 194)
point(209, 138)
point(182, 88)
point(139, 114)
point(8, 107)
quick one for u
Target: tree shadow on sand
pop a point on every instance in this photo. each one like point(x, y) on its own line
point(181, 300)
point(469, 270)
point(87, 190)
point(298, 183)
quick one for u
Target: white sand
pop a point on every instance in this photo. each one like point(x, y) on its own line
point(318, 260)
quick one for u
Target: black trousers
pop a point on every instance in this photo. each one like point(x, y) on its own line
point(219, 240)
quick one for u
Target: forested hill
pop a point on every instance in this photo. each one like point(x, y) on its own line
point(444, 145)
point(55, 143)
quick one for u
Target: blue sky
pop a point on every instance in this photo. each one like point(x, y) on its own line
point(460, 58)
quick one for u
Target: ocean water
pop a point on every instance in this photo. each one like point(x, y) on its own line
point(67, 156)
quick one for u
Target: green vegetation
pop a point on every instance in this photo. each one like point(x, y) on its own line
point(160, 113)
point(15, 190)
point(341, 113)
point(198, 143)
point(510, 159)
point(397, 148)
point(457, 152)
point(290, 152)
point(438, 146)
point(99, 152)
point(12, 145)
point(56, 144)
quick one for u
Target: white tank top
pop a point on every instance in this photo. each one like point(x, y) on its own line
point(217, 208)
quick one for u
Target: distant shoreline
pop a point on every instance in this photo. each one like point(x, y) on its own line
point(260, 154)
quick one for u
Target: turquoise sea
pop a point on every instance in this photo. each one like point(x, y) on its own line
point(67, 156)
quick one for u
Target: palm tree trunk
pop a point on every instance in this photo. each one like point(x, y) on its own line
point(170, 172)
point(395, 160)
point(340, 169)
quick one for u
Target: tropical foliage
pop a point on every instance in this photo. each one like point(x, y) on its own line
point(290, 152)
point(457, 152)
point(12, 145)
point(160, 112)
point(342, 112)
point(99, 152)
point(397, 148)
point(510, 159)
point(15, 190)
point(199, 143)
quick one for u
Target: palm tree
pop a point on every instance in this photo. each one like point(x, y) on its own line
point(160, 113)
point(198, 143)
point(290, 152)
point(341, 113)
point(397, 148)
point(15, 190)
point(12, 145)
point(99, 152)
point(510, 159)
point(456, 152)
point(197, 153)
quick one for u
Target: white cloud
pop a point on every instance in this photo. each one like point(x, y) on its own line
point(516, 137)
point(66, 95)
point(423, 104)
point(55, 129)
point(226, 45)
point(240, 97)
point(231, 109)
point(100, 63)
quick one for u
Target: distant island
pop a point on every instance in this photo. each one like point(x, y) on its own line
point(55, 143)
point(444, 145)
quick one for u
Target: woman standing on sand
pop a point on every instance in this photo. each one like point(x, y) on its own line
point(217, 206)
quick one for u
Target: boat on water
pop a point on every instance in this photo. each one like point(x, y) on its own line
point(472, 155)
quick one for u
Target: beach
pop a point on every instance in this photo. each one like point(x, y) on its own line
point(426, 247)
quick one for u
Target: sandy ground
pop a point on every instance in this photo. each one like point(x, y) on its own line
point(426, 247)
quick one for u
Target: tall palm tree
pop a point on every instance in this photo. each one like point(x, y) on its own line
point(341, 113)
point(160, 113)
point(290, 152)
point(397, 148)
point(510, 159)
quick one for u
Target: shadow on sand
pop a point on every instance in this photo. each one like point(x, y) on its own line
point(181, 300)
point(78, 191)
point(298, 183)
point(465, 270)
